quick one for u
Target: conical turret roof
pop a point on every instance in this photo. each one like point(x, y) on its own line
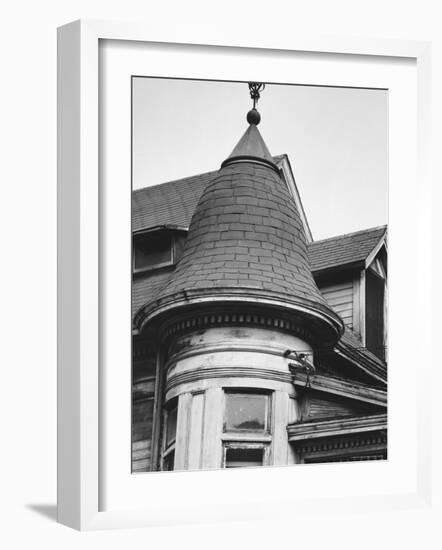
point(250, 147)
point(246, 244)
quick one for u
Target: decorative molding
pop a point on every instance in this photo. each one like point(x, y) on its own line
point(300, 431)
point(235, 318)
point(338, 386)
point(376, 250)
point(228, 346)
point(362, 361)
point(350, 445)
point(318, 382)
point(226, 372)
point(288, 314)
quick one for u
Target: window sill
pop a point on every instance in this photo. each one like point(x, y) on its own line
point(246, 437)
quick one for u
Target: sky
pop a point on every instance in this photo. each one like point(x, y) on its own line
point(336, 140)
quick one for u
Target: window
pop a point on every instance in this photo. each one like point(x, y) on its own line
point(247, 426)
point(169, 438)
point(169, 461)
point(247, 412)
point(171, 422)
point(243, 457)
point(152, 252)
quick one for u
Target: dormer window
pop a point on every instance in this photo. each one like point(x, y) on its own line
point(152, 252)
point(157, 248)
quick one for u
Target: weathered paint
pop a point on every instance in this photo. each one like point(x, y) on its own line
point(250, 358)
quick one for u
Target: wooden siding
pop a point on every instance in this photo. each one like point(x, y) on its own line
point(142, 415)
point(318, 406)
point(143, 394)
point(340, 297)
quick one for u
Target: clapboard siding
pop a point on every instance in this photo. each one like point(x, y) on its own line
point(143, 393)
point(322, 408)
point(315, 406)
point(142, 422)
point(340, 297)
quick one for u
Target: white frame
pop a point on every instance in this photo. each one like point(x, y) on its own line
point(78, 263)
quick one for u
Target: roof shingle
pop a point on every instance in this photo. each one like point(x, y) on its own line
point(246, 232)
point(246, 239)
point(344, 249)
point(168, 203)
point(174, 203)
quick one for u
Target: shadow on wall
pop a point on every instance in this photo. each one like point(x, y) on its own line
point(48, 511)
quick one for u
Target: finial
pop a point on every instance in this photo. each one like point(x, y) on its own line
point(253, 116)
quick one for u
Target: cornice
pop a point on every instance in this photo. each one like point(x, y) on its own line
point(317, 382)
point(322, 325)
point(237, 315)
point(349, 445)
point(362, 361)
point(225, 371)
point(341, 387)
point(300, 431)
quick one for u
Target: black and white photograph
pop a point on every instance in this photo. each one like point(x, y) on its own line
point(225, 332)
point(259, 274)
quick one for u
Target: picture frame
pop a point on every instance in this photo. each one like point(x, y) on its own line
point(81, 447)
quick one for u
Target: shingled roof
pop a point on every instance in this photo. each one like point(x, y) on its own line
point(348, 249)
point(174, 202)
point(246, 243)
point(145, 288)
point(171, 203)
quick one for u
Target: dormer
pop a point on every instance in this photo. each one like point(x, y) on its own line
point(351, 272)
point(156, 248)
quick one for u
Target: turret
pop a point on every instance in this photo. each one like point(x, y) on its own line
point(242, 294)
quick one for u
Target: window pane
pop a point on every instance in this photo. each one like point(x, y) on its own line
point(169, 462)
point(153, 251)
point(171, 426)
point(246, 412)
point(244, 458)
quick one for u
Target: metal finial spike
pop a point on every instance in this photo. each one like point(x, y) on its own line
point(255, 89)
point(253, 116)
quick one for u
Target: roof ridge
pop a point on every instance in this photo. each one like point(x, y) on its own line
point(352, 234)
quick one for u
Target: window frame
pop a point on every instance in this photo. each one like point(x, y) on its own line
point(267, 432)
point(264, 445)
point(137, 238)
point(168, 449)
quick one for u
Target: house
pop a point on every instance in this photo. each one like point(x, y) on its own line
point(253, 344)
